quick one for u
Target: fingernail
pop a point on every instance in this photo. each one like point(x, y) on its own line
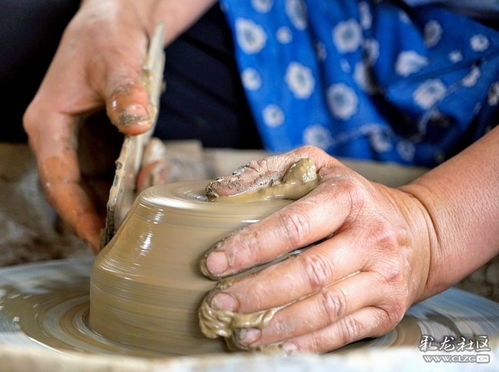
point(136, 109)
point(224, 301)
point(249, 335)
point(289, 348)
point(217, 263)
point(134, 115)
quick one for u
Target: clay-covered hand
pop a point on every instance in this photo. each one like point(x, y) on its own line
point(98, 63)
point(368, 261)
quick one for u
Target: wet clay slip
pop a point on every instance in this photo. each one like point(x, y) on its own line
point(44, 306)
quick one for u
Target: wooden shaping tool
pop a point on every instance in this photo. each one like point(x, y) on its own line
point(122, 192)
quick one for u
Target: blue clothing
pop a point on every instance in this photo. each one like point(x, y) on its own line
point(366, 79)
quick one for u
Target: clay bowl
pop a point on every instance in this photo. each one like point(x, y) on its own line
point(146, 284)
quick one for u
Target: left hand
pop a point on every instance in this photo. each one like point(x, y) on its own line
point(384, 234)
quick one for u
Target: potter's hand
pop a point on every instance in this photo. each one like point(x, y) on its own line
point(384, 235)
point(98, 64)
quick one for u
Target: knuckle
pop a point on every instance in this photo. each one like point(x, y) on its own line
point(317, 270)
point(397, 303)
point(381, 323)
point(384, 236)
point(295, 226)
point(281, 328)
point(255, 296)
point(354, 189)
point(243, 248)
point(348, 185)
point(255, 173)
point(333, 174)
point(29, 120)
point(315, 343)
point(258, 166)
point(390, 277)
point(350, 329)
point(398, 300)
point(332, 304)
point(396, 311)
point(392, 273)
point(343, 183)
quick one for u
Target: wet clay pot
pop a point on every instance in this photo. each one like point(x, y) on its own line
point(146, 285)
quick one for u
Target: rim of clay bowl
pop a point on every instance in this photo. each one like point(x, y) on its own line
point(190, 195)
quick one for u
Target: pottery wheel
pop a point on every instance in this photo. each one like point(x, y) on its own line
point(45, 305)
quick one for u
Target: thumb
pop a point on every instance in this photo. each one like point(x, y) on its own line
point(128, 104)
point(260, 173)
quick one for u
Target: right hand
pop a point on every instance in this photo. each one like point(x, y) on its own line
point(368, 255)
point(98, 64)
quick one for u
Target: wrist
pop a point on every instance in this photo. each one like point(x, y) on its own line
point(460, 197)
point(424, 240)
point(428, 235)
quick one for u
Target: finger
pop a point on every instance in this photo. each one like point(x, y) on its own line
point(128, 103)
point(366, 322)
point(258, 173)
point(155, 173)
point(155, 167)
point(154, 150)
point(319, 310)
point(54, 146)
point(307, 220)
point(298, 276)
point(117, 76)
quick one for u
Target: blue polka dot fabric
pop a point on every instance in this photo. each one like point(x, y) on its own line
point(366, 79)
